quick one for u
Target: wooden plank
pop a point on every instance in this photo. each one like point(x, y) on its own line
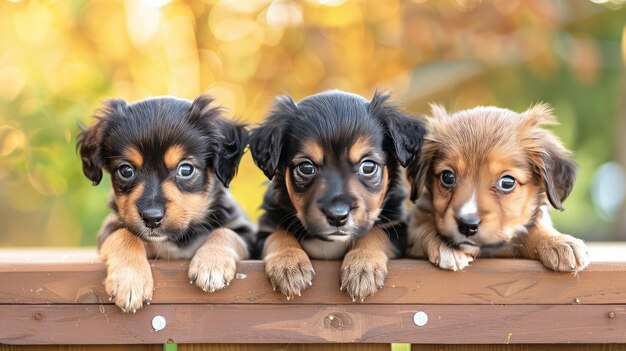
point(532, 347)
point(286, 347)
point(81, 347)
point(75, 277)
point(467, 324)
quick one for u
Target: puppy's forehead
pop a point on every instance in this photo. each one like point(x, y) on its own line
point(480, 137)
point(151, 129)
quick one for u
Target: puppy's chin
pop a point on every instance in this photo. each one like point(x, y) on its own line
point(347, 232)
point(153, 235)
point(482, 239)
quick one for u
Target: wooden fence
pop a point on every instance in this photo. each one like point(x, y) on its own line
point(56, 297)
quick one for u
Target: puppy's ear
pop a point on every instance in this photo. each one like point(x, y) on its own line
point(417, 172)
point(268, 139)
point(90, 139)
point(405, 132)
point(549, 157)
point(233, 142)
point(231, 138)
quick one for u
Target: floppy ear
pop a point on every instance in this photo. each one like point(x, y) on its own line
point(558, 172)
point(418, 170)
point(406, 132)
point(268, 139)
point(233, 142)
point(550, 158)
point(228, 143)
point(90, 139)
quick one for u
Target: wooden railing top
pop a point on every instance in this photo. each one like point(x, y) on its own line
point(57, 296)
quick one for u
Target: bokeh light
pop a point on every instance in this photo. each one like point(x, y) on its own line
point(59, 59)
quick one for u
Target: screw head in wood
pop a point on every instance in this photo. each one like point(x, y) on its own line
point(420, 318)
point(158, 323)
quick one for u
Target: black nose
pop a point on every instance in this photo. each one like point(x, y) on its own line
point(337, 214)
point(152, 217)
point(468, 224)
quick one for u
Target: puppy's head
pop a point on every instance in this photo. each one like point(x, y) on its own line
point(487, 170)
point(336, 154)
point(166, 157)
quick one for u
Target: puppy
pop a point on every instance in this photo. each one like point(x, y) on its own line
point(335, 164)
point(170, 162)
point(484, 182)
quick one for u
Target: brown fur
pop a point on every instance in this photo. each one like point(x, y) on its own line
point(480, 146)
point(129, 278)
point(364, 269)
point(287, 266)
point(214, 265)
point(173, 156)
point(185, 208)
point(359, 149)
point(134, 156)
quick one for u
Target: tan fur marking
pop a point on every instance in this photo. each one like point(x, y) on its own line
point(183, 209)
point(314, 151)
point(297, 200)
point(364, 269)
point(129, 278)
point(287, 266)
point(134, 156)
point(173, 156)
point(358, 149)
point(214, 265)
point(127, 205)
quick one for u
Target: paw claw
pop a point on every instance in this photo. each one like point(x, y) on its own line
point(212, 268)
point(289, 271)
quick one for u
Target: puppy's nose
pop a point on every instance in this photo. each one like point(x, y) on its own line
point(152, 217)
point(337, 214)
point(468, 224)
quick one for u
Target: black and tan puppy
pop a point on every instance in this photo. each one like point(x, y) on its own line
point(335, 160)
point(485, 179)
point(170, 162)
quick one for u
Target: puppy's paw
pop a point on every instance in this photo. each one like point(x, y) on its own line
point(290, 271)
point(213, 268)
point(130, 285)
point(446, 257)
point(562, 253)
point(363, 272)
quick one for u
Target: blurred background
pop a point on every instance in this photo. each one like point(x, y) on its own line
point(59, 59)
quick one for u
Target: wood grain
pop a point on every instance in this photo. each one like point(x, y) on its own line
point(75, 277)
point(467, 324)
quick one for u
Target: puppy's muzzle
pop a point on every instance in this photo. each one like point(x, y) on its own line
point(152, 217)
point(468, 224)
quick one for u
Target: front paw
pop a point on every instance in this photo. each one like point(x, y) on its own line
point(212, 268)
point(290, 271)
point(563, 253)
point(363, 272)
point(129, 286)
point(446, 257)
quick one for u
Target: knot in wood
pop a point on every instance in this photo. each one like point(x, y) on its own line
point(338, 321)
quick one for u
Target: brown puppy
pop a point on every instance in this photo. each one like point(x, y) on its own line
point(170, 162)
point(484, 182)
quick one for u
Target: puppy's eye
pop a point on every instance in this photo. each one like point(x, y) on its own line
point(185, 170)
point(126, 171)
point(506, 184)
point(448, 179)
point(306, 169)
point(367, 168)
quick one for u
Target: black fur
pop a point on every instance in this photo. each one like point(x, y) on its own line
point(152, 126)
point(335, 120)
